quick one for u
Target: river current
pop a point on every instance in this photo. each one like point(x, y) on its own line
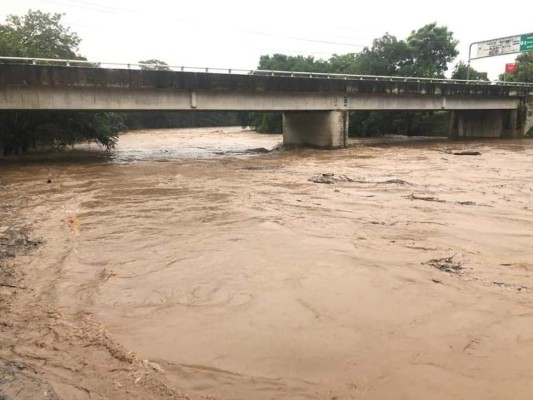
point(212, 263)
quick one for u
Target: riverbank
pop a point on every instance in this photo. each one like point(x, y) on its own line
point(46, 353)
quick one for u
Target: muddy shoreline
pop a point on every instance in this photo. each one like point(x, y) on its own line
point(47, 354)
point(16, 378)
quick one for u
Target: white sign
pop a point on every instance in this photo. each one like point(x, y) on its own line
point(498, 47)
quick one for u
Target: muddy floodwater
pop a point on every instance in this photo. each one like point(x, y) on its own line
point(199, 263)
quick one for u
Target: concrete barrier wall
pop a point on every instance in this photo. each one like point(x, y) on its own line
point(57, 76)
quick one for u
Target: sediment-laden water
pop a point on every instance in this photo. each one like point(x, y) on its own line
point(193, 262)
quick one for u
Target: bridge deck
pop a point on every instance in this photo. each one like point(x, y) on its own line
point(26, 86)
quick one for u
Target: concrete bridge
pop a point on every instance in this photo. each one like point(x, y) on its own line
point(315, 106)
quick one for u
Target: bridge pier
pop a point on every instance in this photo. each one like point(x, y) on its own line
point(528, 123)
point(486, 124)
point(320, 129)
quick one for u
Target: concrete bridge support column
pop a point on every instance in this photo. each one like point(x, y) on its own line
point(321, 129)
point(528, 123)
point(485, 124)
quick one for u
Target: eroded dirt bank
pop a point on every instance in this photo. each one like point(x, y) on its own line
point(184, 264)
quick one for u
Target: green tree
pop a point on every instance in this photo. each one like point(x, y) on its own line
point(524, 69)
point(154, 65)
point(387, 56)
point(432, 49)
point(42, 35)
point(262, 122)
point(461, 69)
point(281, 62)
point(38, 34)
point(345, 64)
point(426, 53)
point(524, 72)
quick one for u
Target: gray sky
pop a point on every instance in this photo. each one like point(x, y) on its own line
point(234, 33)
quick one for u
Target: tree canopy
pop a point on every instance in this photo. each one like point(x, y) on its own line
point(43, 35)
point(154, 64)
point(461, 69)
point(282, 62)
point(524, 69)
point(432, 48)
point(426, 52)
point(38, 34)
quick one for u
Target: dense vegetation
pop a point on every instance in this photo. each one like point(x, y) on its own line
point(427, 52)
point(524, 69)
point(39, 34)
point(179, 119)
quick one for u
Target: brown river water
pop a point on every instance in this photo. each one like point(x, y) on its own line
point(194, 263)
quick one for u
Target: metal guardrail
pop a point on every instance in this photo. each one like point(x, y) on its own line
point(165, 67)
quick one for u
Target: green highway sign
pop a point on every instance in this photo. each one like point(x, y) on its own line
point(526, 42)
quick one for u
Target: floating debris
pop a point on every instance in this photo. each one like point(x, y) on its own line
point(105, 274)
point(257, 150)
point(21, 243)
point(446, 264)
point(511, 286)
point(466, 203)
point(73, 223)
point(330, 178)
point(396, 182)
point(462, 152)
point(466, 153)
point(424, 198)
point(437, 200)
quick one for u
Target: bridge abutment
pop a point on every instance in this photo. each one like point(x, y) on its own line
point(486, 124)
point(320, 129)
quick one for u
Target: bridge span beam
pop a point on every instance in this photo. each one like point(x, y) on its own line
point(320, 129)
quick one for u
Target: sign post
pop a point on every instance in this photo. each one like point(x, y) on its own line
point(500, 47)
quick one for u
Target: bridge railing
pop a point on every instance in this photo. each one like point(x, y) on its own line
point(236, 71)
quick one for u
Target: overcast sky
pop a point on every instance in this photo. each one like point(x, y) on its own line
point(234, 33)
